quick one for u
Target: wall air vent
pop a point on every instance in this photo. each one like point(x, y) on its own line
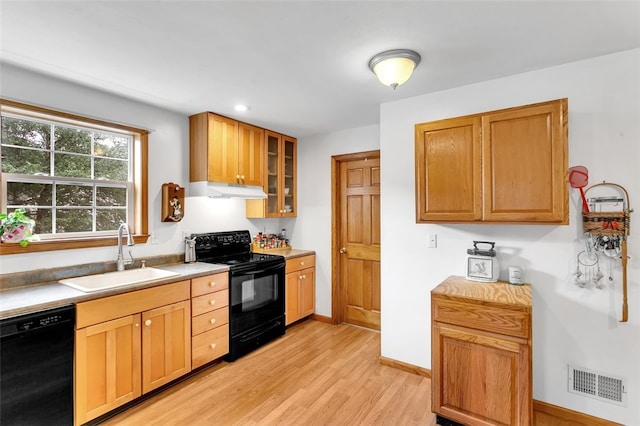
point(597, 385)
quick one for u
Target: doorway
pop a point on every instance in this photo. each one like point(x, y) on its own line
point(355, 241)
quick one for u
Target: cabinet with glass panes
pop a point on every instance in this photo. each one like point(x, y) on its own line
point(280, 179)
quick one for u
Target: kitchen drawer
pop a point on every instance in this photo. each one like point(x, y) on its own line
point(121, 305)
point(299, 263)
point(210, 345)
point(209, 302)
point(511, 322)
point(209, 321)
point(209, 284)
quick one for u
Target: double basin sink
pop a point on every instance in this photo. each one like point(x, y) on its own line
point(108, 280)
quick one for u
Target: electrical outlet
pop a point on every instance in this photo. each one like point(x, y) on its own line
point(432, 241)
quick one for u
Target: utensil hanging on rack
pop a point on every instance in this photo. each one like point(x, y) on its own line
point(579, 178)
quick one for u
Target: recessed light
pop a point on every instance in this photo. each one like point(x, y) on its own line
point(242, 108)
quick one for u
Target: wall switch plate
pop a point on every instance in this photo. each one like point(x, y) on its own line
point(432, 241)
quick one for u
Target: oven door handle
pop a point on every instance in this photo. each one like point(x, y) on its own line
point(247, 337)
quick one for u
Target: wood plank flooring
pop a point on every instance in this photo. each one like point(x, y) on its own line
point(317, 374)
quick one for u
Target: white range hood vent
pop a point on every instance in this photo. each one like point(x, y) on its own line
point(225, 190)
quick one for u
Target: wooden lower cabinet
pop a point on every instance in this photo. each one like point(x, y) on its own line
point(166, 344)
point(300, 288)
point(481, 352)
point(129, 344)
point(210, 318)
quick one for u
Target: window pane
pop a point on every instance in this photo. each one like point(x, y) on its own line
point(25, 161)
point(113, 146)
point(29, 194)
point(25, 133)
point(107, 196)
point(110, 219)
point(71, 165)
point(74, 195)
point(72, 140)
point(73, 220)
point(43, 219)
point(110, 169)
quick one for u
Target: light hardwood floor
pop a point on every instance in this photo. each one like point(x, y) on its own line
point(317, 374)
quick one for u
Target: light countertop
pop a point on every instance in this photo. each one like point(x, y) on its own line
point(48, 295)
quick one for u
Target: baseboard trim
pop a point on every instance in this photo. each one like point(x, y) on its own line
point(410, 368)
point(322, 318)
point(545, 414)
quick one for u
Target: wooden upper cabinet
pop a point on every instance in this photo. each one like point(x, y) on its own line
point(501, 166)
point(224, 150)
point(448, 175)
point(279, 179)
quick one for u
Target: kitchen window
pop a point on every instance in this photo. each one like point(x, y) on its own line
point(77, 177)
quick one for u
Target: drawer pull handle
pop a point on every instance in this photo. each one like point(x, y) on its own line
point(212, 302)
point(212, 320)
point(301, 263)
point(212, 284)
point(147, 322)
point(212, 346)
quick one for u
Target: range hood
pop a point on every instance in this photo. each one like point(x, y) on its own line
point(225, 190)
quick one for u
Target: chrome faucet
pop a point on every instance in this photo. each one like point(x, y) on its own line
point(120, 262)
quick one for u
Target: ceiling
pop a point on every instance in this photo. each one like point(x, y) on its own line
point(302, 66)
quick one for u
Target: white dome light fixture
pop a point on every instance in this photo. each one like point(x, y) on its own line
point(394, 67)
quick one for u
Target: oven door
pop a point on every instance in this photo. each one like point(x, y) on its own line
point(256, 293)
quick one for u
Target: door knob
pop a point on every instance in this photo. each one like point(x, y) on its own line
point(343, 250)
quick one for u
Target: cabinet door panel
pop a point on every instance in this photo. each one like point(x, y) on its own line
point(222, 153)
point(481, 379)
point(291, 296)
point(107, 366)
point(448, 175)
point(166, 344)
point(524, 158)
point(307, 294)
point(250, 154)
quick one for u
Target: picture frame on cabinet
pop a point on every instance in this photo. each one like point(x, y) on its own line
point(172, 202)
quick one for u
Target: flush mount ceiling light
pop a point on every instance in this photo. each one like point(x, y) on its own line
point(394, 67)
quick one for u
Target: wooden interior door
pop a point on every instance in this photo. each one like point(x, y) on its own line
point(359, 240)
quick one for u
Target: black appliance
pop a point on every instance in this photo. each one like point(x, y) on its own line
point(256, 289)
point(36, 368)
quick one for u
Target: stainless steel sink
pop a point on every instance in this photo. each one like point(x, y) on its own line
point(90, 283)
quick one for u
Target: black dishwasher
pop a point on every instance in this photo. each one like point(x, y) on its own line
point(36, 368)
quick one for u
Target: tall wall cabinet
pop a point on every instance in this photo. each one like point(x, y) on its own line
point(508, 165)
point(279, 179)
point(225, 150)
point(481, 353)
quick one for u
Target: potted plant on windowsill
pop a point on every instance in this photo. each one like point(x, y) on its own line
point(16, 227)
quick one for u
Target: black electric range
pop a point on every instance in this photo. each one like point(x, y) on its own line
point(256, 289)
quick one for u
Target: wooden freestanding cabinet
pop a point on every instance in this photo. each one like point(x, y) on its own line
point(500, 166)
point(300, 291)
point(481, 352)
point(129, 344)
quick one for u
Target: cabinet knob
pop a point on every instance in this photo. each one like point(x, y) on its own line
point(137, 325)
point(301, 263)
point(212, 320)
point(242, 177)
point(212, 346)
point(147, 322)
point(212, 284)
point(237, 177)
point(212, 302)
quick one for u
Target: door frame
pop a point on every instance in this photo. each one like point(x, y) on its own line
point(336, 227)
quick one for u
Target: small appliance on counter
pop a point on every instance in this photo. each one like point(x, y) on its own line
point(482, 263)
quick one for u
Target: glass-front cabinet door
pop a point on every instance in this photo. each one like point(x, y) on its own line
point(280, 179)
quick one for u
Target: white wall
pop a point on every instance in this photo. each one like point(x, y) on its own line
point(571, 325)
point(313, 228)
point(168, 162)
